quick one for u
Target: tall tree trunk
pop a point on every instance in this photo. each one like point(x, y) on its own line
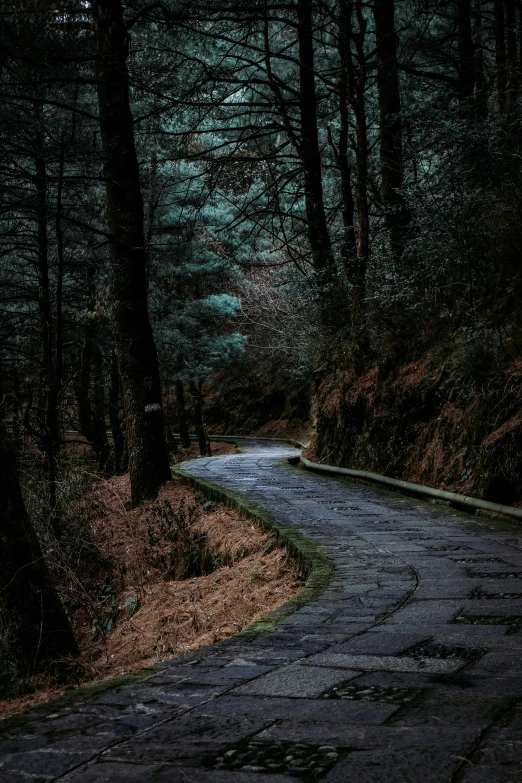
point(481, 91)
point(47, 434)
point(118, 438)
point(151, 211)
point(56, 372)
point(89, 392)
point(34, 622)
point(184, 434)
point(310, 153)
point(357, 98)
point(466, 49)
point(511, 53)
point(500, 51)
point(2, 390)
point(392, 177)
point(137, 357)
point(519, 29)
point(344, 46)
point(196, 390)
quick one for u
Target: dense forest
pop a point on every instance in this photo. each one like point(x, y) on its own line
point(231, 214)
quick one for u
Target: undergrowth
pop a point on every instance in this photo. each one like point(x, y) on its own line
point(142, 584)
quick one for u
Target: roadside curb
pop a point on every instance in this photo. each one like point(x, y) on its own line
point(461, 502)
point(311, 563)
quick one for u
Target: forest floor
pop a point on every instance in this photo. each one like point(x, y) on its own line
point(171, 576)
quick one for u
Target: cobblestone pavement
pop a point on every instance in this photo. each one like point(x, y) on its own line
point(406, 669)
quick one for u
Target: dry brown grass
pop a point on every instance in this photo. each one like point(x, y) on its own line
point(146, 612)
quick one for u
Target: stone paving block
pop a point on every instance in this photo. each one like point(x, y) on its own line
point(47, 762)
point(485, 686)
point(461, 709)
point(107, 772)
point(490, 775)
point(508, 663)
point(455, 589)
point(330, 638)
point(106, 733)
point(274, 708)
point(230, 675)
point(388, 663)
point(422, 766)
point(500, 754)
point(432, 629)
point(508, 606)
point(12, 776)
point(269, 655)
point(427, 612)
point(488, 641)
point(119, 772)
point(371, 737)
point(493, 585)
point(374, 643)
point(21, 744)
point(403, 547)
point(186, 739)
point(180, 694)
point(297, 681)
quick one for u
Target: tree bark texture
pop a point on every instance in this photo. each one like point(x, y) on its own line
point(47, 433)
point(135, 347)
point(90, 388)
point(392, 177)
point(500, 51)
point(310, 153)
point(345, 168)
point(34, 621)
point(512, 76)
point(118, 438)
point(481, 89)
point(199, 423)
point(466, 49)
point(357, 98)
point(184, 434)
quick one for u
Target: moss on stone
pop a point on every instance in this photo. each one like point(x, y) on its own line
point(311, 563)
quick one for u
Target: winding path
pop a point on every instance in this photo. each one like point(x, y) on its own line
point(405, 669)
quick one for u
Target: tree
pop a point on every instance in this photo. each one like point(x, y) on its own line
point(135, 347)
point(90, 392)
point(308, 145)
point(390, 119)
point(466, 49)
point(32, 617)
point(357, 94)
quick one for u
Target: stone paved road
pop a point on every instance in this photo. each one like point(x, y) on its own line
point(406, 669)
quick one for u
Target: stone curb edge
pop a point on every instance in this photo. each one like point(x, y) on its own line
point(461, 502)
point(310, 561)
